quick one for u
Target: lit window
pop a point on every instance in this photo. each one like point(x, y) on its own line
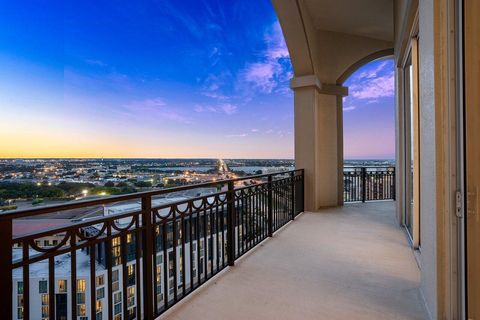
point(100, 281)
point(81, 310)
point(62, 286)
point(130, 296)
point(98, 306)
point(131, 275)
point(81, 285)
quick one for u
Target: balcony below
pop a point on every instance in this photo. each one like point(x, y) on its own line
point(350, 262)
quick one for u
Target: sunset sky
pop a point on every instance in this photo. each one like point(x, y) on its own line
point(164, 79)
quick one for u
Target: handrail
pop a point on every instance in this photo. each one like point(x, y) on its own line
point(15, 214)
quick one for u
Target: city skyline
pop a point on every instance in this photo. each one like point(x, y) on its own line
point(165, 80)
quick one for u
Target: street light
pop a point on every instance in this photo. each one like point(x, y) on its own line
point(84, 192)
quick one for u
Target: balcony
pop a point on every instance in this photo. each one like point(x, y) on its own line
point(148, 251)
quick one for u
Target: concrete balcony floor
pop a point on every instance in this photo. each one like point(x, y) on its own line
point(351, 262)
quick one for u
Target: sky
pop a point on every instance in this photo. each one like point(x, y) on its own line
point(157, 79)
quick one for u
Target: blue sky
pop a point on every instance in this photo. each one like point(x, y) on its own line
point(157, 79)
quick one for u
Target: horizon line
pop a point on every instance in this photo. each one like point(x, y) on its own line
point(169, 158)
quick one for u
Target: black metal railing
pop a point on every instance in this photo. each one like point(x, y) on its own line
point(137, 263)
point(368, 183)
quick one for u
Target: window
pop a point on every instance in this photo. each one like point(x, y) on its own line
point(42, 286)
point(20, 313)
point(130, 296)
point(170, 264)
point(117, 309)
point(115, 284)
point(98, 306)
point(116, 252)
point(117, 302)
point(81, 285)
point(117, 297)
point(131, 250)
point(131, 275)
point(81, 307)
point(81, 297)
point(100, 293)
point(81, 310)
point(99, 280)
point(44, 299)
point(117, 317)
point(20, 287)
point(159, 279)
point(20, 306)
point(131, 313)
point(115, 275)
point(62, 286)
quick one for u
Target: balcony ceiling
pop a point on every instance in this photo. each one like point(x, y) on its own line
point(368, 18)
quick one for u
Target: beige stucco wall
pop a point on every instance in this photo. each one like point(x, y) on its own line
point(427, 160)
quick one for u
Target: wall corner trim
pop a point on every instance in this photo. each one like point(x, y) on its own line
point(312, 81)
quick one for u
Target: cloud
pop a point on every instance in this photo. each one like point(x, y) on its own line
point(254, 130)
point(146, 105)
point(240, 135)
point(226, 108)
point(229, 108)
point(94, 62)
point(261, 75)
point(214, 84)
point(273, 70)
point(155, 107)
point(374, 88)
point(270, 71)
point(349, 108)
point(372, 73)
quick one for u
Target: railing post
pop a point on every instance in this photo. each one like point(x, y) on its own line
point(231, 224)
point(292, 186)
point(270, 207)
point(147, 246)
point(303, 190)
point(364, 183)
point(6, 268)
point(394, 186)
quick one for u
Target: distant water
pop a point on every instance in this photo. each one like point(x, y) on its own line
point(254, 169)
point(199, 169)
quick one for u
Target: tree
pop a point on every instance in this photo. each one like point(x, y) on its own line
point(143, 184)
point(109, 184)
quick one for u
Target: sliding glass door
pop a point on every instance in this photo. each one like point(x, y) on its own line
point(412, 146)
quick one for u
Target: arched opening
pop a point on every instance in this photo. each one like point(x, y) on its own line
point(368, 124)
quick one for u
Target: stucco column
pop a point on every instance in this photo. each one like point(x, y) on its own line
point(317, 140)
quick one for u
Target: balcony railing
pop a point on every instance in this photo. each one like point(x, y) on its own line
point(368, 184)
point(144, 253)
